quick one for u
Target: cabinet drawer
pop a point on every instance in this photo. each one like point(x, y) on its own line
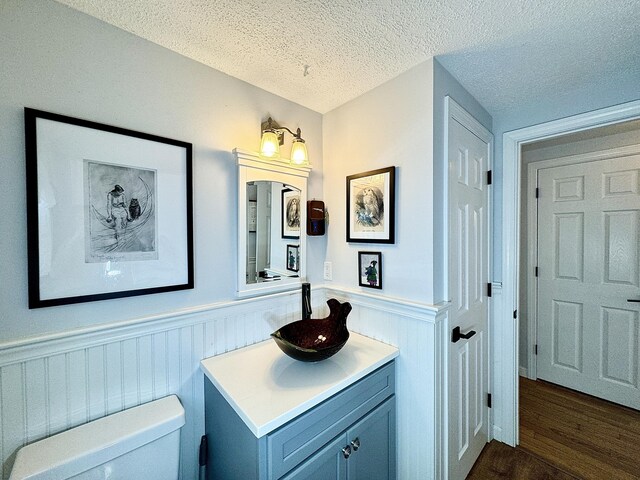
point(295, 441)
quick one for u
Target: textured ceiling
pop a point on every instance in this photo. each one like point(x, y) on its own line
point(503, 51)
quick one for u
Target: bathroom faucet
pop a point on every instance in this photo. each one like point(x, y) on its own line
point(306, 301)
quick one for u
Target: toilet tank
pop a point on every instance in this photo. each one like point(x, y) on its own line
point(138, 443)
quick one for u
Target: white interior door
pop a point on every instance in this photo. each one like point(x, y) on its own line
point(468, 278)
point(588, 254)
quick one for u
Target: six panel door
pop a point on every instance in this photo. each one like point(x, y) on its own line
point(588, 254)
point(468, 278)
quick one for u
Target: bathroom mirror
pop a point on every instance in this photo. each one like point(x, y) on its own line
point(271, 224)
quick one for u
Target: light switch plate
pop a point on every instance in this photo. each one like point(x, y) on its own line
point(328, 271)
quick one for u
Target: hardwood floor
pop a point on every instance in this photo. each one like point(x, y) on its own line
point(565, 435)
point(500, 461)
point(583, 435)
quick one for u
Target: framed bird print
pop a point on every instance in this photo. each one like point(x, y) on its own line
point(371, 206)
point(109, 211)
point(370, 269)
point(290, 213)
point(293, 258)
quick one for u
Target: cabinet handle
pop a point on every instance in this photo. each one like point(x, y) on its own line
point(346, 451)
point(355, 443)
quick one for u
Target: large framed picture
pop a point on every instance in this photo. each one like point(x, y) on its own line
point(370, 269)
point(293, 258)
point(109, 211)
point(290, 216)
point(371, 206)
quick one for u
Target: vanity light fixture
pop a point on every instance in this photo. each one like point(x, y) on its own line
point(273, 137)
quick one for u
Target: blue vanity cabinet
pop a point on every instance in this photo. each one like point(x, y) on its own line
point(327, 464)
point(363, 452)
point(369, 439)
point(349, 436)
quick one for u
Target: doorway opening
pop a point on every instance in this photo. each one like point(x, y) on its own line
point(506, 425)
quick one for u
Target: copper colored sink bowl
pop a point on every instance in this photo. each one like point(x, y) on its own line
point(315, 339)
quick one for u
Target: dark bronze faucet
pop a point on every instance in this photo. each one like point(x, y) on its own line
point(306, 301)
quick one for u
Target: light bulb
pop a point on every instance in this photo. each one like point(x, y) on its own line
point(299, 155)
point(269, 145)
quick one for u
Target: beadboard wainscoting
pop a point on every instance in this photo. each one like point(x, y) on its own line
point(418, 330)
point(54, 382)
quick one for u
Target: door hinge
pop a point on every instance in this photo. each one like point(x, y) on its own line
point(202, 454)
point(515, 314)
point(489, 400)
point(489, 177)
point(536, 272)
point(537, 192)
point(489, 289)
point(535, 349)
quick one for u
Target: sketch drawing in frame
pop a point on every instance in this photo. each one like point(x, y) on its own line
point(109, 211)
point(121, 222)
point(290, 217)
point(371, 206)
point(293, 258)
point(370, 269)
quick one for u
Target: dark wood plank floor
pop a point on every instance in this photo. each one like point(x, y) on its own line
point(500, 461)
point(583, 435)
point(566, 435)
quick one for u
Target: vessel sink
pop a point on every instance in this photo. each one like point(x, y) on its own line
point(313, 340)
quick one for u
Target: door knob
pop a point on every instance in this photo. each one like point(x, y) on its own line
point(633, 300)
point(456, 335)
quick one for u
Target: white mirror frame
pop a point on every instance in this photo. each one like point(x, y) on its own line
point(251, 168)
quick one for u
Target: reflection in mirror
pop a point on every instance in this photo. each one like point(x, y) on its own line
point(273, 231)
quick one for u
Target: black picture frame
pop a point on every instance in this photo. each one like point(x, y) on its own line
point(290, 219)
point(371, 206)
point(293, 258)
point(370, 269)
point(88, 241)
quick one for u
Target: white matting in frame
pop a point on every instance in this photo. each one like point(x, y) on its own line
point(371, 206)
point(110, 213)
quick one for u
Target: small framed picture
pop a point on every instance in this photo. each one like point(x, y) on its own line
point(293, 258)
point(371, 206)
point(252, 216)
point(290, 216)
point(370, 269)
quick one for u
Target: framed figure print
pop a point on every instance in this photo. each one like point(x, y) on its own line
point(109, 211)
point(370, 269)
point(290, 216)
point(293, 258)
point(371, 206)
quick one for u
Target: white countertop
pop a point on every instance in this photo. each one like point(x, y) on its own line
point(266, 388)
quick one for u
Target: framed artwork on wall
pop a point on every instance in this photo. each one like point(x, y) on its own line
point(109, 211)
point(290, 216)
point(293, 258)
point(252, 216)
point(370, 269)
point(371, 206)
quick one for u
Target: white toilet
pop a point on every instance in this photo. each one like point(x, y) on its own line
point(139, 443)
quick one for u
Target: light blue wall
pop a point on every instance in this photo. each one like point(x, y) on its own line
point(390, 125)
point(57, 59)
point(444, 84)
point(620, 88)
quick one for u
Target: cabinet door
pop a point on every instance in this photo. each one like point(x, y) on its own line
point(328, 463)
point(373, 444)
